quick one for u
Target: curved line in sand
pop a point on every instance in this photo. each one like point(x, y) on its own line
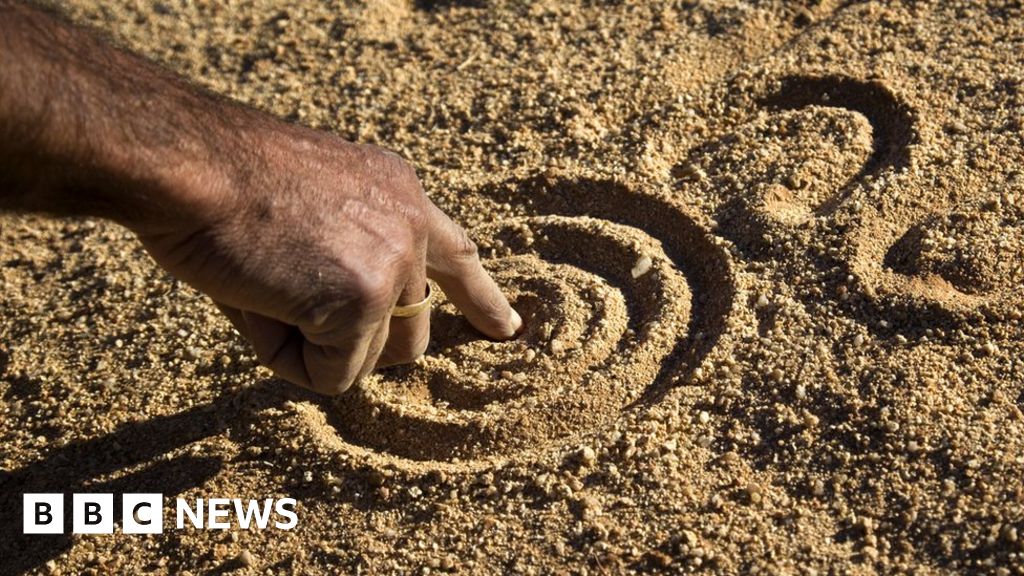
point(640, 336)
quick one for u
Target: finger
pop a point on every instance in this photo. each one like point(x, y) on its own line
point(336, 358)
point(408, 337)
point(333, 369)
point(236, 318)
point(375, 350)
point(453, 263)
point(278, 346)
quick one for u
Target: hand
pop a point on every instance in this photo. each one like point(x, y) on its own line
point(304, 240)
point(309, 241)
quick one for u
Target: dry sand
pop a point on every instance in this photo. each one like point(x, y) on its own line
point(770, 256)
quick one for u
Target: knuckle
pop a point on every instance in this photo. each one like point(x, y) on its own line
point(416, 214)
point(463, 247)
point(399, 166)
point(404, 247)
point(387, 162)
point(373, 292)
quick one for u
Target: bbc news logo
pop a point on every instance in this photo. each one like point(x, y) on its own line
point(144, 513)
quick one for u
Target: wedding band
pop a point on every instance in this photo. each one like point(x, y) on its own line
point(413, 309)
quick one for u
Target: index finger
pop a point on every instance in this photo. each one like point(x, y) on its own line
point(453, 263)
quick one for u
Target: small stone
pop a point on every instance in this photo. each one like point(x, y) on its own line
point(762, 301)
point(818, 488)
point(948, 487)
point(245, 558)
point(587, 455)
point(703, 417)
point(642, 266)
point(810, 420)
point(753, 492)
point(690, 171)
point(957, 127)
point(589, 507)
point(557, 347)
point(660, 559)
point(1009, 533)
point(866, 524)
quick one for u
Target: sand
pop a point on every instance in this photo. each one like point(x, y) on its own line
point(769, 255)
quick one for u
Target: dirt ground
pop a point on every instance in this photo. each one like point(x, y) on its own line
point(770, 256)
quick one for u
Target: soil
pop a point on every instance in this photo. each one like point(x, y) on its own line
point(770, 257)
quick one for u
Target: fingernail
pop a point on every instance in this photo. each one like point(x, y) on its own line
point(516, 321)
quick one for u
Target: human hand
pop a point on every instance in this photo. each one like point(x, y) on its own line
point(304, 240)
point(307, 243)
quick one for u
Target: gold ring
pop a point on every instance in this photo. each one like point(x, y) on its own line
point(413, 309)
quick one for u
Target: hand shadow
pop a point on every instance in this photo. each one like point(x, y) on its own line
point(73, 468)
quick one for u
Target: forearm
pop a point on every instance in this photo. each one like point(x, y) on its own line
point(88, 129)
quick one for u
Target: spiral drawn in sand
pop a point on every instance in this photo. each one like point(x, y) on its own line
point(931, 268)
point(812, 145)
point(601, 276)
point(893, 121)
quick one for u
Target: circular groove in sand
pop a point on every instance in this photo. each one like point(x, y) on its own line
point(599, 340)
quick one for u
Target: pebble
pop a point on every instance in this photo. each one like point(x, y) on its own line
point(690, 171)
point(557, 347)
point(642, 266)
point(587, 455)
point(810, 420)
point(660, 559)
point(245, 558)
point(753, 493)
point(1009, 533)
point(818, 488)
